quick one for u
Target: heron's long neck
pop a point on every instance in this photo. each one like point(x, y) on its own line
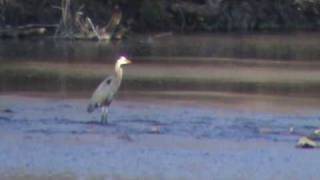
point(119, 71)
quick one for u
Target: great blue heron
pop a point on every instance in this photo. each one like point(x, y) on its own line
point(103, 95)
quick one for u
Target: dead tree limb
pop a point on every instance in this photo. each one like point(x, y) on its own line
point(93, 28)
point(74, 25)
point(114, 20)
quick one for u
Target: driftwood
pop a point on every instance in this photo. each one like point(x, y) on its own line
point(93, 28)
point(66, 25)
point(311, 141)
point(26, 31)
point(306, 142)
point(74, 25)
point(119, 34)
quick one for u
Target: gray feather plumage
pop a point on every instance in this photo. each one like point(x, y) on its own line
point(104, 93)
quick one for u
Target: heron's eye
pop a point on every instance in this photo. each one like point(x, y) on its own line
point(108, 81)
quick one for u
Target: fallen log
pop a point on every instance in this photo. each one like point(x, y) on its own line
point(25, 31)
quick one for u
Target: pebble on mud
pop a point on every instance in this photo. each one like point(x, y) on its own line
point(291, 130)
point(155, 130)
point(265, 130)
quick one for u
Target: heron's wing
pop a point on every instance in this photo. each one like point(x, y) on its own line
point(104, 92)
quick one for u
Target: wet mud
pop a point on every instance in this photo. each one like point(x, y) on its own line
point(43, 138)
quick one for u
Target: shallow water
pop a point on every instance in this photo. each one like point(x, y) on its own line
point(282, 46)
point(161, 135)
point(50, 116)
point(54, 137)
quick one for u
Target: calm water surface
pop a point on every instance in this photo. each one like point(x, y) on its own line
point(292, 46)
point(225, 136)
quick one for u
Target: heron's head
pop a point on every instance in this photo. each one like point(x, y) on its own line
point(123, 60)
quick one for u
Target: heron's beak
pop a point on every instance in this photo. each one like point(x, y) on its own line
point(128, 61)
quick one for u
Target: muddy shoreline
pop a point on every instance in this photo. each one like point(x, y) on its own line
point(46, 137)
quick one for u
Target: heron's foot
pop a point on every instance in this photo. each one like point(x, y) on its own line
point(104, 119)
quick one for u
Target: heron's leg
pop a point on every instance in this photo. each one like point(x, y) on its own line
point(104, 117)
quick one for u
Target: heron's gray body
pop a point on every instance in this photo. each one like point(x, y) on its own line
point(103, 95)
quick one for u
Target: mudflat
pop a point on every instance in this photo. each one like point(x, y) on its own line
point(157, 137)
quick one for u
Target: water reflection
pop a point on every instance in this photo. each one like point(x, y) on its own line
point(73, 66)
point(296, 46)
